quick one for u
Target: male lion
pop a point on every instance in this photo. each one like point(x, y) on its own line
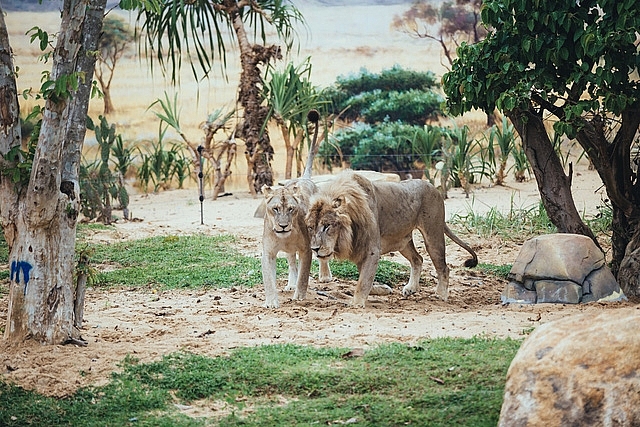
point(357, 219)
point(285, 231)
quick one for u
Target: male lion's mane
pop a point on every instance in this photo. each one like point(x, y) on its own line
point(347, 205)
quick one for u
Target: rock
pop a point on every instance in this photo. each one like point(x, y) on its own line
point(583, 370)
point(560, 268)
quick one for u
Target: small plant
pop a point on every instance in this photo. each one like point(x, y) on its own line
point(504, 137)
point(461, 160)
point(427, 143)
point(159, 166)
point(98, 185)
point(521, 165)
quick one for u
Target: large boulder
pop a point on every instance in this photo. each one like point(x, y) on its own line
point(560, 268)
point(583, 370)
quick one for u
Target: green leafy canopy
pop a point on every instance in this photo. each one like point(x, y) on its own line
point(572, 57)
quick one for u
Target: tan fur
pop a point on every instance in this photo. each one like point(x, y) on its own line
point(359, 220)
point(285, 208)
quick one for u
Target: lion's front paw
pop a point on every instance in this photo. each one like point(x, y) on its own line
point(271, 303)
point(408, 291)
point(299, 296)
point(443, 293)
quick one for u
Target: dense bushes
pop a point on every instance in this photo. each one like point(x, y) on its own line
point(394, 94)
point(386, 116)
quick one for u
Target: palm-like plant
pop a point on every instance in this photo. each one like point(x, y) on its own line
point(505, 138)
point(196, 28)
point(290, 95)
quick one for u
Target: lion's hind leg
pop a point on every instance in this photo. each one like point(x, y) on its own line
point(411, 254)
point(436, 249)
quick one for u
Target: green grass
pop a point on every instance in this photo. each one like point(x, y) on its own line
point(439, 382)
point(176, 262)
point(518, 224)
point(202, 261)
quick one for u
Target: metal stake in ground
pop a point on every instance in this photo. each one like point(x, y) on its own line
point(201, 178)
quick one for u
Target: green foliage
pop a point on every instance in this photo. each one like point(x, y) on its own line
point(159, 165)
point(552, 55)
point(196, 29)
point(504, 138)
point(386, 147)
point(290, 95)
point(393, 79)
point(427, 144)
point(392, 95)
point(521, 165)
point(439, 382)
point(388, 272)
point(99, 186)
point(412, 107)
point(518, 224)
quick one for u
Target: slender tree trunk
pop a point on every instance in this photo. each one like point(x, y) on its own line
point(613, 162)
point(553, 184)
point(288, 167)
point(41, 295)
point(259, 152)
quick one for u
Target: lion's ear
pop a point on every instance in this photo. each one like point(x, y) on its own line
point(338, 201)
point(267, 191)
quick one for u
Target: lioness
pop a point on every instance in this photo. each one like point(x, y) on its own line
point(285, 231)
point(359, 220)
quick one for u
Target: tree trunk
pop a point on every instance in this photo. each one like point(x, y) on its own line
point(108, 104)
point(10, 135)
point(288, 167)
point(41, 295)
point(554, 186)
point(259, 152)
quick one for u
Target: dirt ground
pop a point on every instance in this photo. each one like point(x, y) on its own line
point(147, 324)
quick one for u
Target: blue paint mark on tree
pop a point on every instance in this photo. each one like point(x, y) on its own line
point(25, 267)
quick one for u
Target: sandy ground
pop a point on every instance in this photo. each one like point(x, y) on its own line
point(148, 324)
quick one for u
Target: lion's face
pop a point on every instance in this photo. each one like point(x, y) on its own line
point(283, 204)
point(329, 229)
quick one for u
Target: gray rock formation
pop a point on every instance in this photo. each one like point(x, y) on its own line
point(560, 268)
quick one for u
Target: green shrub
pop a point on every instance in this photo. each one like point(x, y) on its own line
point(394, 94)
point(385, 147)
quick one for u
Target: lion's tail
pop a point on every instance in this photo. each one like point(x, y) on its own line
point(471, 262)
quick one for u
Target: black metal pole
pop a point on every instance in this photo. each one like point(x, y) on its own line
point(201, 177)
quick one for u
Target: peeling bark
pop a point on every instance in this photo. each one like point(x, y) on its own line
point(41, 294)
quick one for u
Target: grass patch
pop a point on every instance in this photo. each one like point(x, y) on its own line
point(516, 224)
point(202, 261)
point(388, 273)
point(177, 262)
point(499, 271)
point(439, 382)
